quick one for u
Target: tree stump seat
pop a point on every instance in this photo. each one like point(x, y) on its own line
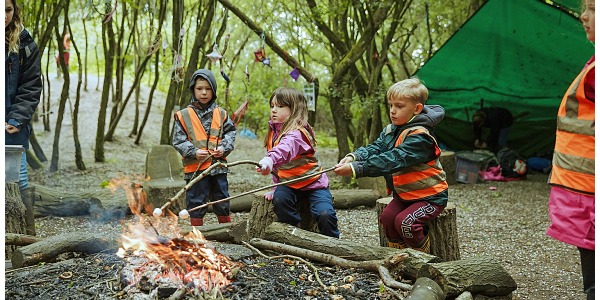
point(442, 231)
point(262, 215)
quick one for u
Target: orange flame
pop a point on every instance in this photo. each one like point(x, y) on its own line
point(181, 259)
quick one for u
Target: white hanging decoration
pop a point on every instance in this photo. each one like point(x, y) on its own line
point(214, 56)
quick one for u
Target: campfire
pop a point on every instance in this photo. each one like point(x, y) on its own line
point(160, 260)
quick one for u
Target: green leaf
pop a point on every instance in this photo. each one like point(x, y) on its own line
point(104, 184)
point(261, 264)
point(71, 284)
point(293, 283)
point(497, 194)
point(381, 288)
point(292, 268)
point(37, 225)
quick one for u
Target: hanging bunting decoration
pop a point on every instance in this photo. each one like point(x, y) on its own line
point(214, 56)
point(247, 75)
point(267, 62)
point(259, 55)
point(165, 45)
point(295, 73)
point(108, 16)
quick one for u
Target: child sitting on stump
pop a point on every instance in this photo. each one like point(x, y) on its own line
point(406, 154)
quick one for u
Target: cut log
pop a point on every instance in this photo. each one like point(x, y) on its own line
point(426, 289)
point(442, 230)
point(345, 198)
point(226, 232)
point(477, 275)
point(159, 191)
point(20, 239)
point(448, 161)
point(49, 249)
point(63, 204)
point(290, 235)
point(14, 214)
point(262, 215)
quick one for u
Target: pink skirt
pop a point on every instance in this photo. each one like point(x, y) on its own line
point(573, 218)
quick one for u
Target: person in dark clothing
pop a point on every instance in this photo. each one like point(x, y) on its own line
point(22, 92)
point(499, 120)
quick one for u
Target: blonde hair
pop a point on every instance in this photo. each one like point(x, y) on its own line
point(296, 101)
point(411, 88)
point(14, 29)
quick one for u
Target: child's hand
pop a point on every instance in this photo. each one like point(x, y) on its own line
point(10, 129)
point(346, 159)
point(218, 153)
point(343, 170)
point(266, 166)
point(269, 195)
point(201, 154)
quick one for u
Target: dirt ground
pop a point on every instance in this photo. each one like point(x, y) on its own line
point(508, 224)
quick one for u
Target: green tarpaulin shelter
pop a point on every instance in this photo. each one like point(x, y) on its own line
point(518, 54)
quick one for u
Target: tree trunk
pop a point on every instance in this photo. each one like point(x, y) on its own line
point(107, 30)
point(32, 160)
point(63, 204)
point(290, 235)
point(448, 161)
point(344, 198)
point(442, 231)
point(35, 145)
point(14, 213)
point(75, 112)
point(262, 215)
point(18, 239)
point(477, 275)
point(150, 97)
point(85, 63)
point(49, 249)
point(64, 95)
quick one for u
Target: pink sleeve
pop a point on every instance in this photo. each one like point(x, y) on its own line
point(590, 82)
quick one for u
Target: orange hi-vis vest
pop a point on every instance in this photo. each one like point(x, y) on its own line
point(422, 180)
point(301, 165)
point(574, 157)
point(197, 135)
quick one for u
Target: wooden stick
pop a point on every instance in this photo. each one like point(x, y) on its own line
point(262, 188)
point(202, 175)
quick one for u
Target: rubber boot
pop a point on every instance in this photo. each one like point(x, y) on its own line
point(27, 198)
point(197, 221)
point(398, 245)
point(423, 246)
point(224, 219)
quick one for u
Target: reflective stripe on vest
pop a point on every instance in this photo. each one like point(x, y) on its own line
point(197, 135)
point(422, 180)
point(573, 164)
point(300, 165)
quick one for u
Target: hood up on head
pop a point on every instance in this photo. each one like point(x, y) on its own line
point(208, 76)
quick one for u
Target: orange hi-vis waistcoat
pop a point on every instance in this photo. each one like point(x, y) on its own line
point(422, 180)
point(301, 165)
point(197, 135)
point(574, 157)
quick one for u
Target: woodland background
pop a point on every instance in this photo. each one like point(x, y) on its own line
point(351, 50)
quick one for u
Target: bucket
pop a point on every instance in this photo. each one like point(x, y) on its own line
point(12, 162)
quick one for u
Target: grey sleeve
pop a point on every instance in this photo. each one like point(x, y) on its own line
point(228, 140)
point(181, 142)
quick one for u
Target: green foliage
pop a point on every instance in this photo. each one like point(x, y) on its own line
point(104, 184)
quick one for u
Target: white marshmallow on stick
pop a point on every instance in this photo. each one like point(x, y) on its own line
point(157, 212)
point(184, 214)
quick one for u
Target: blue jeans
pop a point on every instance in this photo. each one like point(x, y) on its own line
point(198, 195)
point(23, 173)
point(321, 208)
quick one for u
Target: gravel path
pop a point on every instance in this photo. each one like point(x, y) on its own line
point(508, 224)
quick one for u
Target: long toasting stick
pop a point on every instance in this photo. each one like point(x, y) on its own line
point(185, 213)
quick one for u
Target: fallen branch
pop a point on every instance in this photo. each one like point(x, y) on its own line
point(18, 239)
point(292, 257)
point(380, 266)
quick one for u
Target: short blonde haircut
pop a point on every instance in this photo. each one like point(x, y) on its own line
point(411, 88)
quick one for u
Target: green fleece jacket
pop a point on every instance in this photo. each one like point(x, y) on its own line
point(382, 158)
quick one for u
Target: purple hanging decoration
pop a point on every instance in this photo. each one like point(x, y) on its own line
point(295, 73)
point(267, 62)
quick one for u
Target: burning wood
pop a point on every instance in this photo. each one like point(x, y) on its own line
point(160, 260)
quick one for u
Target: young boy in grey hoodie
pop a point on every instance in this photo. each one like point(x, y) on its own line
point(406, 154)
point(203, 135)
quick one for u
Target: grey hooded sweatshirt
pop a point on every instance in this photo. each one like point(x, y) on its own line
point(180, 139)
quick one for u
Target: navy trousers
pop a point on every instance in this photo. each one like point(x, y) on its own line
point(198, 195)
point(321, 208)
